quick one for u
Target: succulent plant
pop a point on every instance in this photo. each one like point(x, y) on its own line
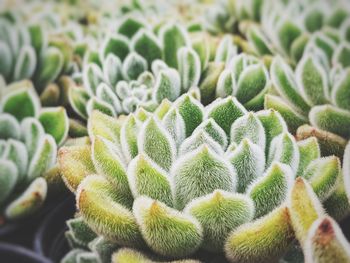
point(309, 95)
point(29, 136)
point(30, 52)
point(189, 177)
point(135, 68)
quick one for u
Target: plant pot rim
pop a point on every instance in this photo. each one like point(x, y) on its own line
point(22, 252)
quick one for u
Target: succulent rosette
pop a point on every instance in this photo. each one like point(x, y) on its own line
point(33, 51)
point(313, 94)
point(189, 178)
point(29, 138)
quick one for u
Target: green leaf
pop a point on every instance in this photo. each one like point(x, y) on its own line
point(23, 94)
point(284, 149)
point(219, 213)
point(147, 178)
point(92, 77)
point(342, 55)
point(287, 33)
point(161, 225)
point(55, 122)
point(133, 66)
point(173, 37)
point(75, 164)
point(341, 91)
point(130, 26)
point(283, 80)
point(273, 240)
point(293, 118)
point(8, 179)
point(98, 203)
point(270, 190)
point(78, 97)
point(29, 201)
point(25, 64)
point(199, 173)
point(50, 66)
point(117, 45)
point(6, 60)
point(167, 86)
point(9, 127)
point(225, 112)
point(323, 175)
point(128, 137)
point(248, 159)
point(209, 81)
point(189, 68)
point(43, 158)
point(112, 69)
point(191, 110)
point(100, 124)
point(108, 162)
point(96, 104)
point(304, 208)
point(157, 143)
point(332, 119)
point(80, 231)
point(248, 127)
point(175, 125)
point(147, 45)
point(309, 150)
point(312, 80)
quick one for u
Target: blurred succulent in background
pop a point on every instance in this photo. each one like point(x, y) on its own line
point(29, 136)
point(31, 52)
point(135, 68)
point(313, 94)
point(188, 177)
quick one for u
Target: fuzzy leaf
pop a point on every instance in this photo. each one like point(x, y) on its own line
point(283, 80)
point(219, 213)
point(293, 119)
point(209, 81)
point(225, 112)
point(173, 37)
point(78, 98)
point(49, 67)
point(98, 203)
point(248, 127)
point(100, 105)
point(199, 173)
point(326, 243)
point(304, 208)
point(270, 190)
point(16, 152)
point(112, 70)
point(9, 127)
point(80, 231)
point(191, 111)
point(24, 95)
point(147, 178)
point(284, 149)
point(25, 64)
point(8, 179)
point(117, 45)
point(43, 158)
point(175, 125)
point(128, 137)
point(107, 161)
point(273, 124)
point(92, 77)
point(100, 124)
point(276, 234)
point(309, 150)
point(323, 175)
point(105, 93)
point(331, 119)
point(341, 91)
point(161, 225)
point(147, 45)
point(311, 78)
point(167, 86)
point(55, 122)
point(249, 162)
point(133, 66)
point(75, 164)
point(287, 33)
point(189, 68)
point(29, 201)
point(157, 143)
